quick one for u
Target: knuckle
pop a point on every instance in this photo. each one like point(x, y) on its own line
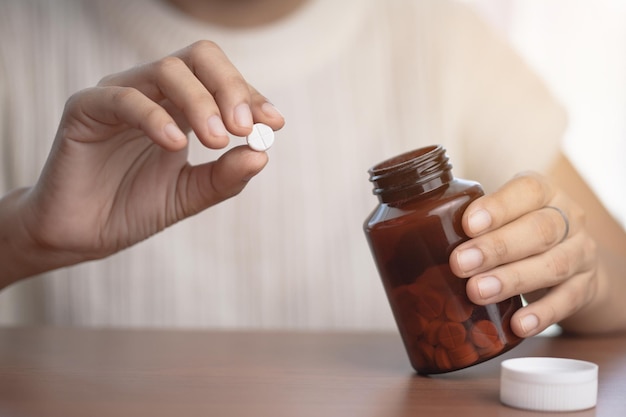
point(200, 50)
point(547, 228)
point(132, 101)
point(121, 95)
point(234, 80)
point(559, 263)
point(106, 80)
point(499, 248)
point(151, 115)
point(516, 281)
point(73, 101)
point(533, 187)
point(256, 99)
point(551, 315)
point(572, 301)
point(168, 65)
point(204, 46)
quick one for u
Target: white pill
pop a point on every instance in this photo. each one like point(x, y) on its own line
point(261, 138)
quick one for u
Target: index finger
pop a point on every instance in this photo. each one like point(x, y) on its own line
point(524, 193)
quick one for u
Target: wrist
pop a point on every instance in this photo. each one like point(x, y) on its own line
point(21, 253)
point(604, 312)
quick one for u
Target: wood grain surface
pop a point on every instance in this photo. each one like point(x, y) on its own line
point(90, 372)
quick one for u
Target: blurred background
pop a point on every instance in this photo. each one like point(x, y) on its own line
point(579, 48)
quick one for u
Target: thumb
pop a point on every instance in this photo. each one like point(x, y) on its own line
point(211, 183)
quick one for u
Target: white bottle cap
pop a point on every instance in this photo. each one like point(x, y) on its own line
point(261, 137)
point(549, 384)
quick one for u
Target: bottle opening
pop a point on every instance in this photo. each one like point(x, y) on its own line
point(411, 174)
point(405, 159)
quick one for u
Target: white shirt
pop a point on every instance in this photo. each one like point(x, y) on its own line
point(358, 82)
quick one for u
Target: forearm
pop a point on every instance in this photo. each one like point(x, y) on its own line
point(606, 312)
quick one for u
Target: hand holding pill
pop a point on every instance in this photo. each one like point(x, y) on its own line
point(129, 133)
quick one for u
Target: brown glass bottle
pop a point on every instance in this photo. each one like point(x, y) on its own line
point(411, 234)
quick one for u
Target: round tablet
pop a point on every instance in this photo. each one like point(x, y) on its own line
point(430, 305)
point(463, 355)
point(261, 138)
point(451, 335)
point(484, 334)
point(549, 384)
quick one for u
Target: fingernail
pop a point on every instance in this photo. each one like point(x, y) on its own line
point(478, 221)
point(489, 287)
point(243, 115)
point(271, 111)
point(174, 133)
point(216, 126)
point(529, 323)
point(470, 259)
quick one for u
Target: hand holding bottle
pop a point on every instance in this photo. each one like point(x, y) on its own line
point(529, 238)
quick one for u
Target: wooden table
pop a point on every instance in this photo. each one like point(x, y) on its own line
point(81, 372)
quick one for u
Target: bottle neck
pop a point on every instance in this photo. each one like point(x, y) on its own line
point(411, 174)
